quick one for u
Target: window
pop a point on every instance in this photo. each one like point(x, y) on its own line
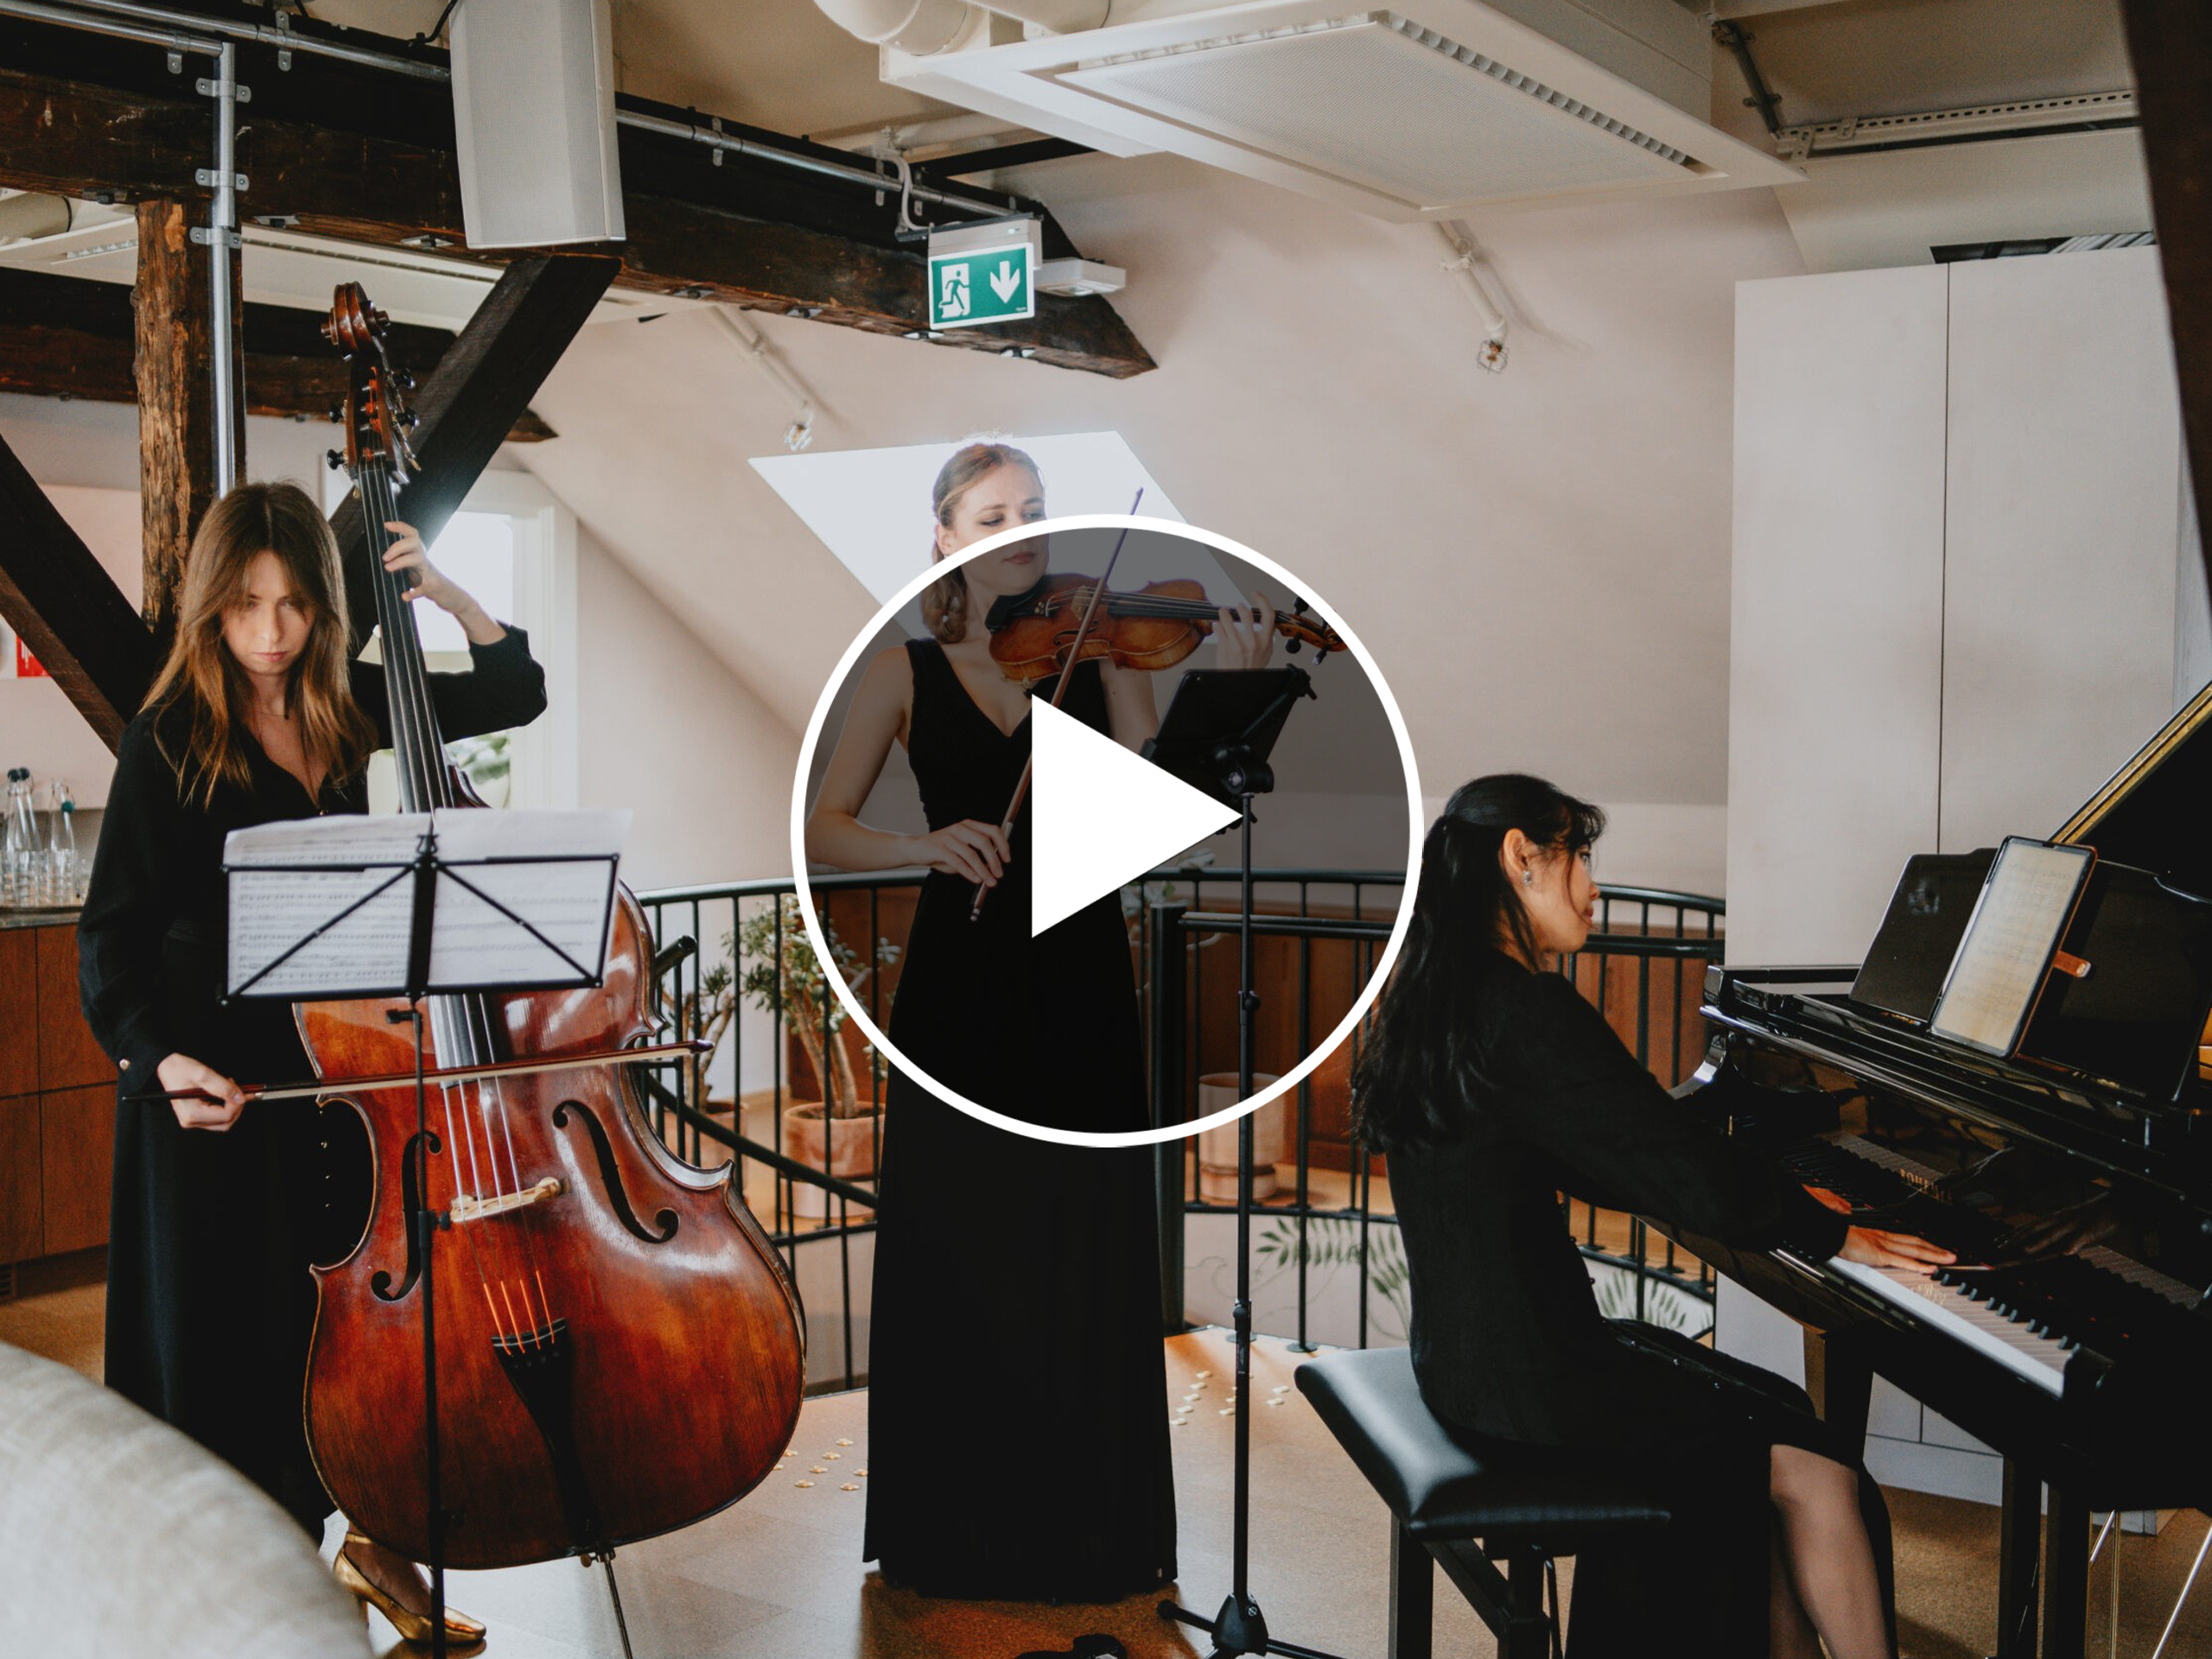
point(871, 506)
point(513, 547)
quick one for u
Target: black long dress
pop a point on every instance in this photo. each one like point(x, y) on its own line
point(210, 1307)
point(1017, 1403)
point(1509, 1347)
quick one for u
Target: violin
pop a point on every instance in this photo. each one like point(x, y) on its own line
point(583, 1277)
point(1153, 626)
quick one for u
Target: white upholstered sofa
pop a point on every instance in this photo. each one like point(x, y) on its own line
point(121, 1537)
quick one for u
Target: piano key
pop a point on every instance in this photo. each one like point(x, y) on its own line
point(2041, 1360)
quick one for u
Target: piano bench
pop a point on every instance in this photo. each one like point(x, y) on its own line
point(1442, 1498)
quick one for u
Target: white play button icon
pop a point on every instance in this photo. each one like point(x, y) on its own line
point(1101, 816)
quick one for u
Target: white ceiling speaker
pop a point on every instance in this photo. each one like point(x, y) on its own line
point(533, 105)
point(1419, 112)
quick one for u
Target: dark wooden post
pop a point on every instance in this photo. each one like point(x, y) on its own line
point(176, 418)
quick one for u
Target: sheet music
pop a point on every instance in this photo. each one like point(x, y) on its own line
point(2002, 961)
point(274, 904)
point(550, 868)
point(302, 931)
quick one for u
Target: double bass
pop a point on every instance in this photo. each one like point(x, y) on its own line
point(583, 1278)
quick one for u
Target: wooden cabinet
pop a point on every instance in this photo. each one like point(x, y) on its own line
point(76, 1163)
point(22, 1207)
point(18, 1012)
point(57, 1102)
point(68, 1055)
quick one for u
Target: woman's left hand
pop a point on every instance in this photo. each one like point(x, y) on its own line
point(1244, 638)
point(406, 553)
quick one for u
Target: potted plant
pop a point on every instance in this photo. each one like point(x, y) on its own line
point(782, 975)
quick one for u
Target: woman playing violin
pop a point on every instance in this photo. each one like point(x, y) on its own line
point(259, 714)
point(1066, 1317)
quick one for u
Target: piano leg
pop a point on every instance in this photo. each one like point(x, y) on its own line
point(2066, 1577)
point(1840, 1380)
point(2022, 1528)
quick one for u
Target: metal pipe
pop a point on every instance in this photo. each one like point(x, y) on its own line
point(222, 232)
point(190, 32)
point(184, 32)
point(1733, 38)
point(731, 144)
point(70, 17)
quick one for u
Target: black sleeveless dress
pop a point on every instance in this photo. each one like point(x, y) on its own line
point(1017, 1404)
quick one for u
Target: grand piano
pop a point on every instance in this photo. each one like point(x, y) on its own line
point(2075, 1339)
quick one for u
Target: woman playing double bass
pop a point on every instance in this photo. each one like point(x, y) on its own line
point(259, 714)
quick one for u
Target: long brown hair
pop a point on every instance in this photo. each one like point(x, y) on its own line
point(203, 676)
point(944, 601)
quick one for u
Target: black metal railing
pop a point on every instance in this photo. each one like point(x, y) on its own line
point(731, 949)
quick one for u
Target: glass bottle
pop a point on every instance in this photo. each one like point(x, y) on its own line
point(61, 870)
point(19, 843)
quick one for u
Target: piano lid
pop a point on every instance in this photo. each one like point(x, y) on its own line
point(2156, 811)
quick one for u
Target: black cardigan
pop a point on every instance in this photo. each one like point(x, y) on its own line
point(150, 938)
point(1507, 1335)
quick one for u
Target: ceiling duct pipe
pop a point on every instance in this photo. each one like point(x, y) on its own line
point(922, 27)
point(917, 28)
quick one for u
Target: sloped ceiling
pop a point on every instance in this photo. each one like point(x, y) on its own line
point(1539, 559)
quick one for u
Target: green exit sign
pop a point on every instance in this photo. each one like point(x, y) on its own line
point(985, 273)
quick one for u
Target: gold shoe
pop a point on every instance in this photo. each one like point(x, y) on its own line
point(460, 1629)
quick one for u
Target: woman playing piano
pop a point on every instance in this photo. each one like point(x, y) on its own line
point(260, 714)
point(1493, 1086)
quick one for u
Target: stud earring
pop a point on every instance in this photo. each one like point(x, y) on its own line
point(1527, 878)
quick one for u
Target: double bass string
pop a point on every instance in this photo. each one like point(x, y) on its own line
point(461, 1024)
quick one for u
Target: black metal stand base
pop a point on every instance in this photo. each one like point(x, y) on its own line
point(1239, 1628)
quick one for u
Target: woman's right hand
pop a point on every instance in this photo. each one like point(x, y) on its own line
point(183, 1071)
point(971, 848)
point(1870, 1247)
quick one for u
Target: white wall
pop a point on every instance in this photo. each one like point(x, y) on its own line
point(664, 728)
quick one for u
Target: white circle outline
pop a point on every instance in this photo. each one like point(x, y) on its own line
point(853, 1009)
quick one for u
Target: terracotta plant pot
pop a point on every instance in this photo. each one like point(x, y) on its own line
point(851, 1144)
point(1217, 1147)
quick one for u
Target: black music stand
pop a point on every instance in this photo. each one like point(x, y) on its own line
point(384, 939)
point(1216, 736)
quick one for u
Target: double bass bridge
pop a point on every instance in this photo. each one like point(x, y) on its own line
point(468, 1207)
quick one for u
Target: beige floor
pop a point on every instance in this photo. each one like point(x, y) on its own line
point(779, 1576)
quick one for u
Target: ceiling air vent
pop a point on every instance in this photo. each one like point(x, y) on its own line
point(1419, 112)
point(1378, 101)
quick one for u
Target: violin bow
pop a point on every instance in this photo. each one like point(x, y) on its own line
point(1075, 652)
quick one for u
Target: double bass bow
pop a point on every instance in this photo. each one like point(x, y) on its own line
point(582, 1276)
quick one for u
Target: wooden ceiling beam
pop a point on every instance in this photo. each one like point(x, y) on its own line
point(67, 608)
point(71, 337)
point(467, 405)
point(2170, 41)
point(173, 359)
point(721, 238)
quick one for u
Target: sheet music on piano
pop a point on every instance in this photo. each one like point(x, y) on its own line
point(318, 903)
point(2017, 927)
